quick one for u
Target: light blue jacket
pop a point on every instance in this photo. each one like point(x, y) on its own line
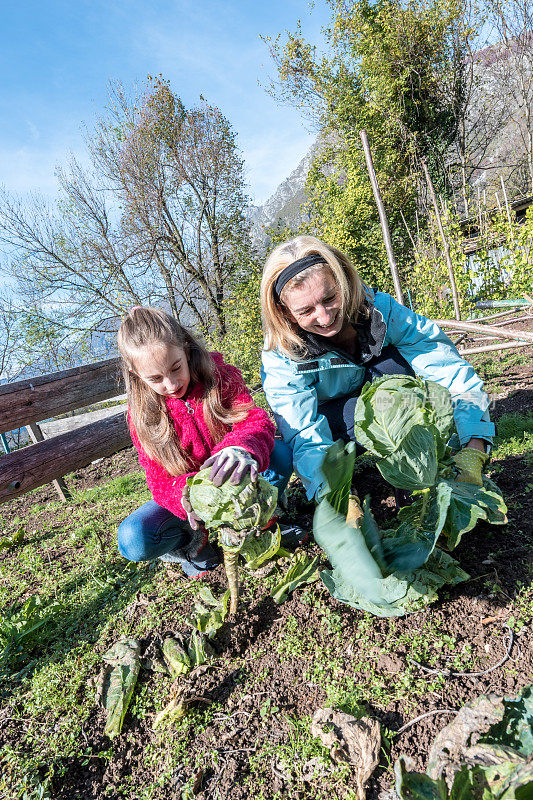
point(295, 389)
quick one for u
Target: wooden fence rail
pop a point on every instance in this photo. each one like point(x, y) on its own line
point(49, 395)
point(27, 402)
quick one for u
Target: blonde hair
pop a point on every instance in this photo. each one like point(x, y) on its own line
point(144, 327)
point(280, 332)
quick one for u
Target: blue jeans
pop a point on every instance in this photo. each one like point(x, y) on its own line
point(152, 531)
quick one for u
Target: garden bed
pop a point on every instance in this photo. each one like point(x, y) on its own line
point(248, 734)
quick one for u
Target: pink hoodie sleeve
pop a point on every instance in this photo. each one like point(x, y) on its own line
point(255, 433)
point(166, 489)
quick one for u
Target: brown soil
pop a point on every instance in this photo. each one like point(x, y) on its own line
point(474, 613)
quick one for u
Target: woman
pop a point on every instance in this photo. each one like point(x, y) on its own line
point(327, 334)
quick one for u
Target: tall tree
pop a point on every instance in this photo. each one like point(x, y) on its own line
point(396, 69)
point(158, 216)
point(513, 68)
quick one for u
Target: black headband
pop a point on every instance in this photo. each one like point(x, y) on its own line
point(293, 269)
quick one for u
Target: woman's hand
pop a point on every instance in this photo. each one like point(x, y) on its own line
point(470, 462)
point(231, 463)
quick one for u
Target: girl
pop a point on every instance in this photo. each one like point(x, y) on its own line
point(327, 334)
point(188, 409)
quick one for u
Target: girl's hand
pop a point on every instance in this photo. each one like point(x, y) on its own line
point(192, 517)
point(233, 463)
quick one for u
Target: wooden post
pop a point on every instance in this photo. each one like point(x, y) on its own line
point(444, 242)
point(382, 218)
point(36, 435)
point(507, 208)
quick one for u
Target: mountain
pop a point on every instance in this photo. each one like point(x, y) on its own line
point(284, 206)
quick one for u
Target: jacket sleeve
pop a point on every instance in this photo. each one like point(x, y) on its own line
point(294, 402)
point(433, 356)
point(255, 433)
point(166, 489)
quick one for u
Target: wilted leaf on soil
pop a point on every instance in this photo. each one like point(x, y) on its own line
point(302, 570)
point(119, 682)
point(183, 693)
point(199, 649)
point(209, 612)
point(485, 753)
point(176, 655)
point(356, 741)
point(516, 726)
point(172, 712)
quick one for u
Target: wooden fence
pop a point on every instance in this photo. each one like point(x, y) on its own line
point(27, 402)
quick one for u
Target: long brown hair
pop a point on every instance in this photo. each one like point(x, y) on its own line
point(280, 332)
point(145, 326)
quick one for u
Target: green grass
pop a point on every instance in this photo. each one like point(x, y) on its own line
point(68, 558)
point(489, 368)
point(70, 561)
point(514, 436)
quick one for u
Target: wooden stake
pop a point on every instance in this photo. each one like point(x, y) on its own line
point(492, 316)
point(455, 296)
point(507, 208)
point(382, 218)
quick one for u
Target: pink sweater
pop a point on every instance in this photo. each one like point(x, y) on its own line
point(255, 434)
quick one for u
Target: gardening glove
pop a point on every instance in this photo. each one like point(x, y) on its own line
point(233, 463)
point(470, 463)
point(192, 517)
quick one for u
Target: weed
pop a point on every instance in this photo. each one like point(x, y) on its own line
point(522, 608)
point(514, 436)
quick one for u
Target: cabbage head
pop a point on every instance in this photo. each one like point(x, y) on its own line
point(246, 506)
point(406, 422)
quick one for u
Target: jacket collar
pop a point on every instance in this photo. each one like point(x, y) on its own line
point(370, 328)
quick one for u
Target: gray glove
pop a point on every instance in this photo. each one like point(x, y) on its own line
point(192, 517)
point(233, 463)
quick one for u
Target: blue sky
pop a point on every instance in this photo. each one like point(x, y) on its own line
point(57, 57)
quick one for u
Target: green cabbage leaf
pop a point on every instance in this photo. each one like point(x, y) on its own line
point(364, 573)
point(256, 550)
point(405, 422)
point(119, 681)
point(247, 506)
point(302, 569)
